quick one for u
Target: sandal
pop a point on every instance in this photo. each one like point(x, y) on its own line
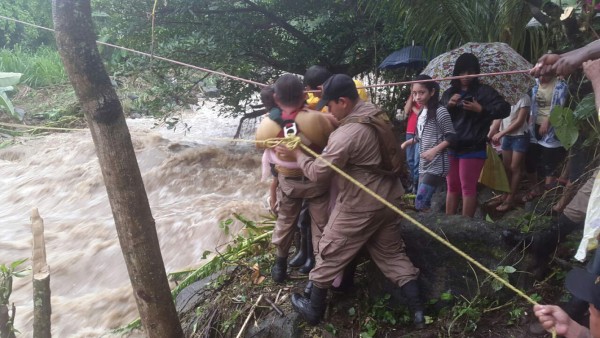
point(505, 206)
point(530, 196)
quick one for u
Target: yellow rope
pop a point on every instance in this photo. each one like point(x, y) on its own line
point(292, 142)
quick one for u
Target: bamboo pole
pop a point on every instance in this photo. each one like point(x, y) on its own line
point(248, 318)
point(42, 308)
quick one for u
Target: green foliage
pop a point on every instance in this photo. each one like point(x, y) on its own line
point(33, 11)
point(465, 316)
point(7, 273)
point(586, 109)
point(504, 272)
point(516, 314)
point(250, 242)
point(7, 80)
point(40, 68)
point(451, 23)
point(530, 222)
point(565, 125)
point(256, 40)
point(331, 329)
point(380, 314)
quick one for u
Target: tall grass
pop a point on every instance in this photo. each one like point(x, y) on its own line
point(40, 68)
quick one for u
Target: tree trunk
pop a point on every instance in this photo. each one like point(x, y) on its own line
point(133, 218)
point(42, 309)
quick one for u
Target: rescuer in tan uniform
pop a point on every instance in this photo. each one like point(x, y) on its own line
point(314, 129)
point(357, 219)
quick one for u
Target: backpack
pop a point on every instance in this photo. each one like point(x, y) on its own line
point(392, 161)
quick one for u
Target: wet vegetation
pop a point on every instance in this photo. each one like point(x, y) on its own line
point(259, 40)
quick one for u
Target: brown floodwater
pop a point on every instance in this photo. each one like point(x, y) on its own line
point(192, 182)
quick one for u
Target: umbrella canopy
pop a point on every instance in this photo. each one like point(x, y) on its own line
point(408, 57)
point(493, 57)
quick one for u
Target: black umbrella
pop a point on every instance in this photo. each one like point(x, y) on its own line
point(407, 57)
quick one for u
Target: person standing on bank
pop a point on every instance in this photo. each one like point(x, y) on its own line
point(472, 106)
point(357, 219)
point(313, 128)
point(412, 109)
point(435, 133)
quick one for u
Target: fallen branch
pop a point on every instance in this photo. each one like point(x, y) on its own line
point(275, 307)
point(249, 315)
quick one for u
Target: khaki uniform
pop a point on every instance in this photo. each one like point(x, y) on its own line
point(290, 194)
point(577, 208)
point(358, 219)
point(293, 186)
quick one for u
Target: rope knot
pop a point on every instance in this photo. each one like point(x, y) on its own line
point(291, 142)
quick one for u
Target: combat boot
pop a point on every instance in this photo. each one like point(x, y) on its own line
point(412, 294)
point(309, 264)
point(301, 253)
point(312, 309)
point(279, 269)
point(308, 289)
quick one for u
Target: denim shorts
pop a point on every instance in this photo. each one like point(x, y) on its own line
point(517, 143)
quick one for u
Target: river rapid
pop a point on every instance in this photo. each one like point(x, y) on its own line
point(192, 182)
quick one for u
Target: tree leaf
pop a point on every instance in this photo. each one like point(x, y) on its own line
point(565, 126)
point(496, 285)
point(586, 108)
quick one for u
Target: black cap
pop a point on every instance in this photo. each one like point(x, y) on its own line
point(338, 85)
point(584, 285)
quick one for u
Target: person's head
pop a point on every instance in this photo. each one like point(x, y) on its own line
point(466, 64)
point(340, 95)
point(427, 94)
point(289, 91)
point(315, 76)
point(266, 96)
point(546, 78)
point(586, 286)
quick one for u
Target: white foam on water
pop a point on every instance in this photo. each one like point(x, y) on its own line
point(193, 182)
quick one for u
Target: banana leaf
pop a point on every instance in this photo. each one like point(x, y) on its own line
point(7, 105)
point(9, 79)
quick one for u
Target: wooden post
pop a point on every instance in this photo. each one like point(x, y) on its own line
point(42, 308)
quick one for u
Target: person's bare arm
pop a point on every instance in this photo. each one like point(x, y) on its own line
point(494, 128)
point(592, 72)
point(554, 318)
point(516, 124)
point(430, 154)
point(564, 64)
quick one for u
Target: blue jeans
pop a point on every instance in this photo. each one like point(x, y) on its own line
point(412, 159)
point(424, 195)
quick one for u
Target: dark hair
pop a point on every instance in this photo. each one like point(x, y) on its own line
point(266, 96)
point(467, 62)
point(434, 100)
point(289, 90)
point(316, 76)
